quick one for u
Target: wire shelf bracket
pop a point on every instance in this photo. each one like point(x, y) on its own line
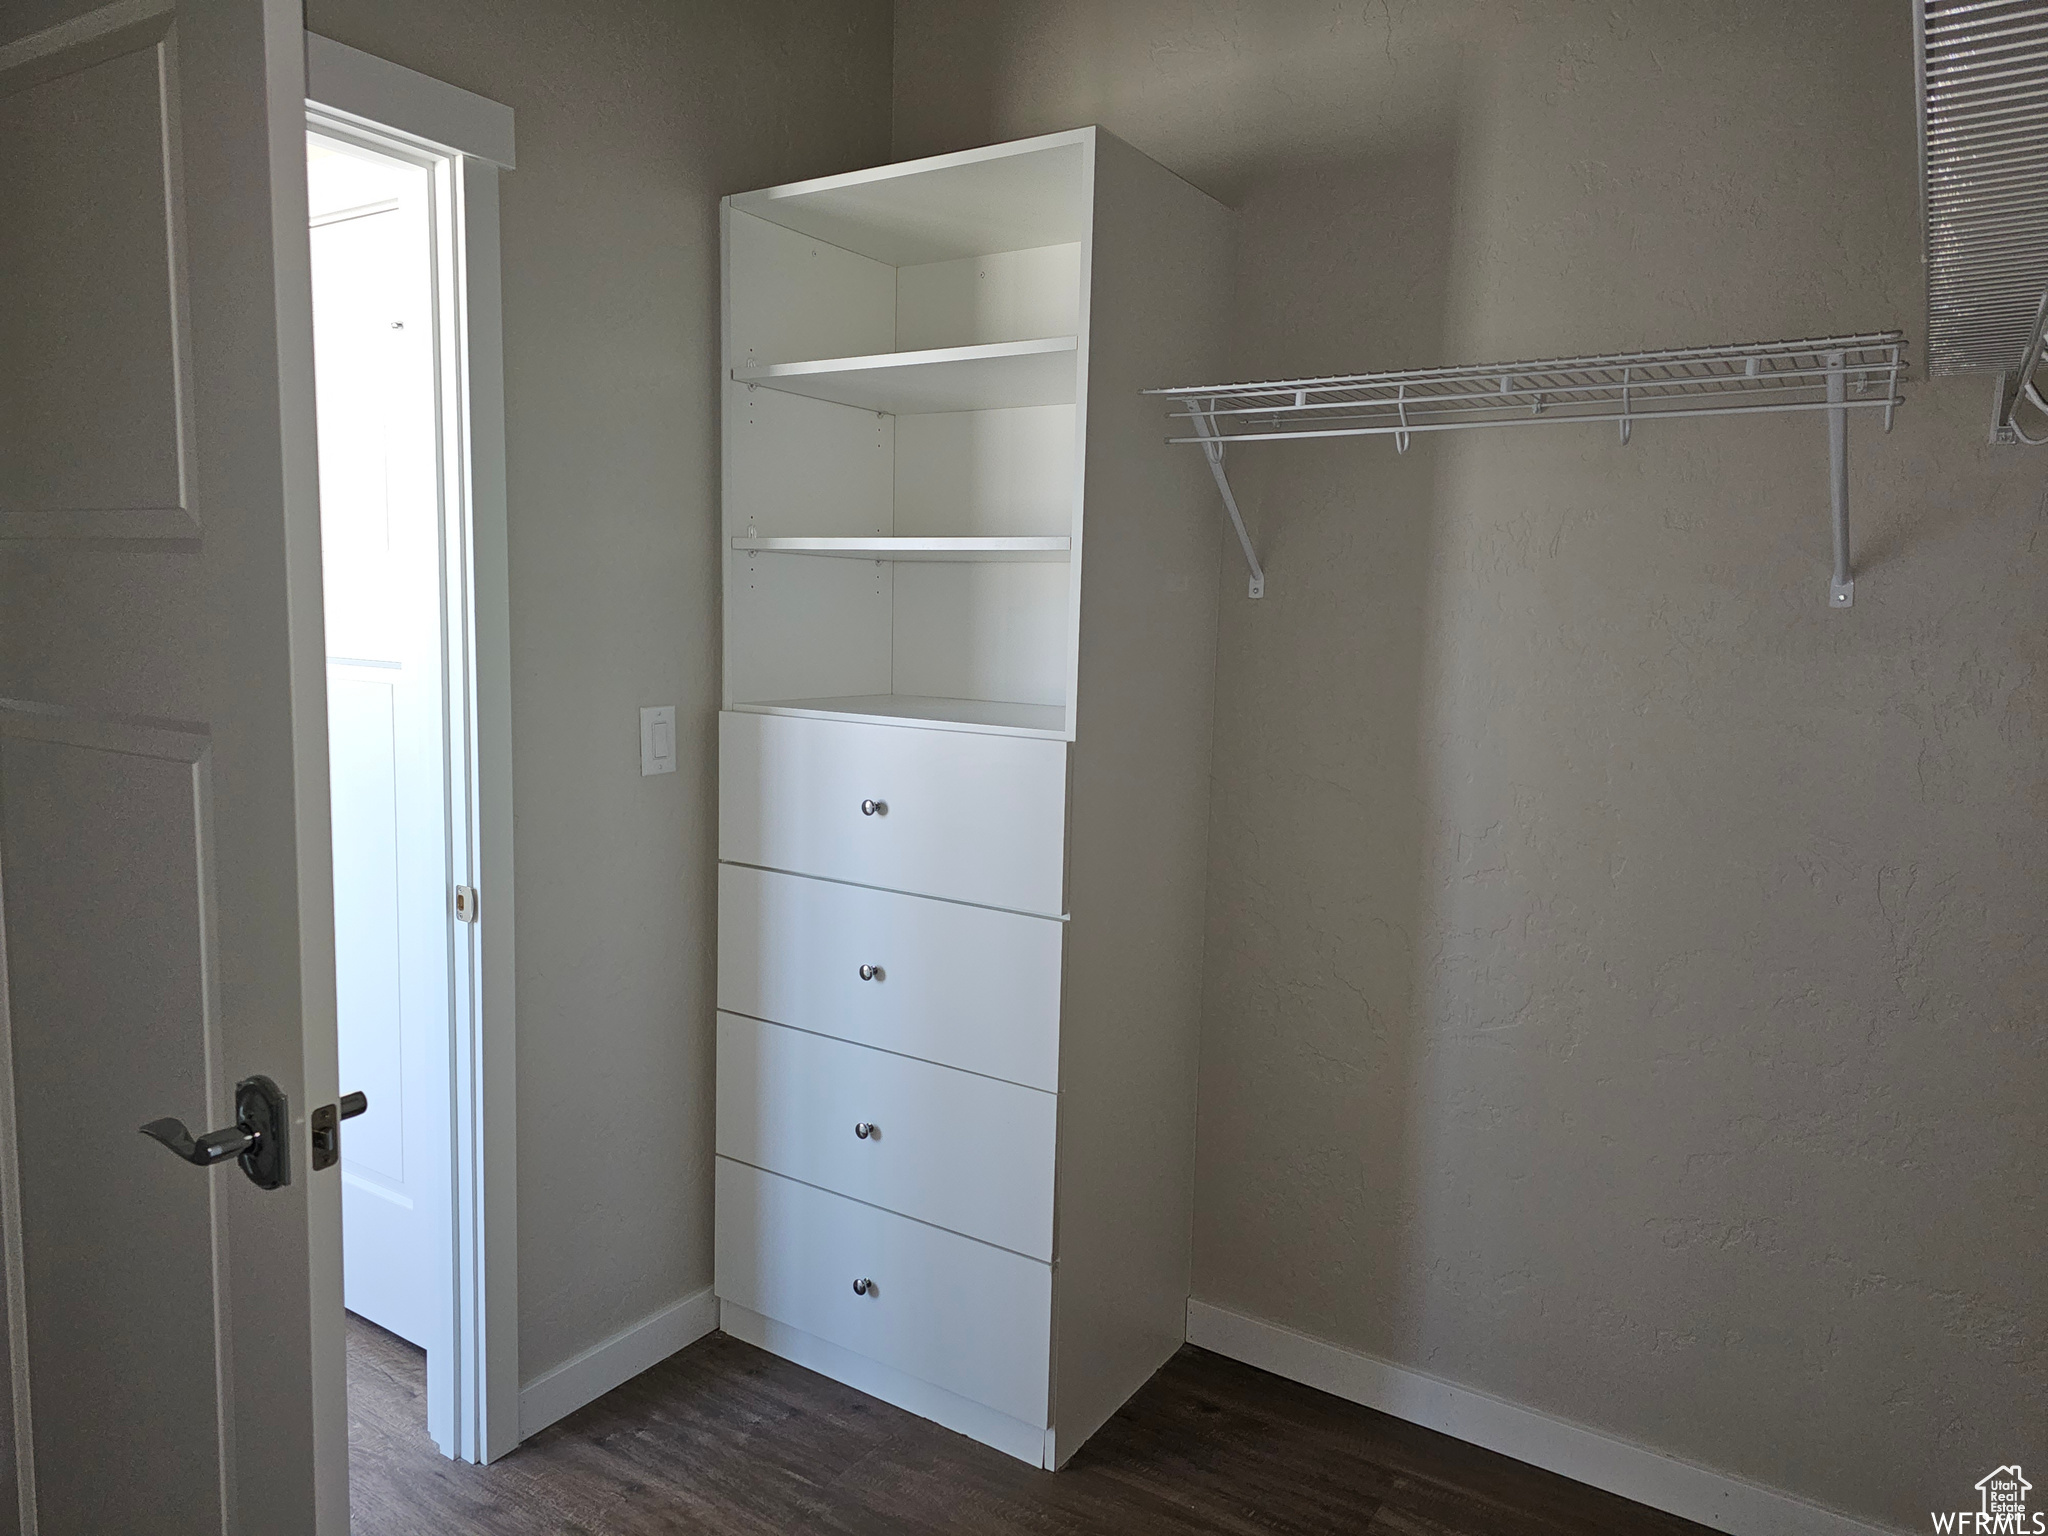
point(1835, 374)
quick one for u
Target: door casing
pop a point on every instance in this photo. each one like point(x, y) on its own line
point(465, 141)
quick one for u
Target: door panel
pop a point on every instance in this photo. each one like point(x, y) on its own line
point(99, 844)
point(165, 923)
point(389, 1023)
point(365, 799)
point(97, 439)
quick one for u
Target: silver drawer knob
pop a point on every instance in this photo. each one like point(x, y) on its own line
point(871, 973)
point(864, 1130)
point(862, 1287)
point(874, 807)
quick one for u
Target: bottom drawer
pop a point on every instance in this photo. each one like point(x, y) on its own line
point(964, 1316)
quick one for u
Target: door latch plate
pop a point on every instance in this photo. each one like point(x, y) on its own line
point(325, 1123)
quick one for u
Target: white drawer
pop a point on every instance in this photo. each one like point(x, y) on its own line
point(964, 986)
point(955, 814)
point(947, 1147)
point(964, 1316)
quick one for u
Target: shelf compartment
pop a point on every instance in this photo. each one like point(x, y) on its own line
point(1047, 549)
point(994, 717)
point(992, 377)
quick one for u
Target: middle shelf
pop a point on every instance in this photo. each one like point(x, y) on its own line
point(993, 376)
point(1048, 548)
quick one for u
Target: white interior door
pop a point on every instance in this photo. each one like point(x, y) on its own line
point(163, 808)
point(374, 349)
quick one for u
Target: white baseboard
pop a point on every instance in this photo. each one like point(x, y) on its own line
point(1585, 1455)
point(586, 1377)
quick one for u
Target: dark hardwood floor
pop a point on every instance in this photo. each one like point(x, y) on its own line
point(725, 1440)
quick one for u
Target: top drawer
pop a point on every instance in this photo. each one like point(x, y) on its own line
point(937, 813)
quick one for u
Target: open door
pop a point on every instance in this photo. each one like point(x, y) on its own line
point(175, 1329)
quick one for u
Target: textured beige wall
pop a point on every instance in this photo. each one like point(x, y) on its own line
point(634, 118)
point(1625, 977)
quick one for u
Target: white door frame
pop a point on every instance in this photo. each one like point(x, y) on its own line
point(467, 140)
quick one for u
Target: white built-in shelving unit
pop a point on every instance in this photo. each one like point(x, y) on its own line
point(970, 607)
point(908, 357)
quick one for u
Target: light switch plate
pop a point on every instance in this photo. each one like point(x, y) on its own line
point(658, 740)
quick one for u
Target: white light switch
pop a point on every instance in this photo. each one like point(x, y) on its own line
point(658, 740)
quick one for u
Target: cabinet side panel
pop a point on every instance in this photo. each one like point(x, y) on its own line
point(1162, 271)
point(793, 298)
point(804, 628)
point(802, 466)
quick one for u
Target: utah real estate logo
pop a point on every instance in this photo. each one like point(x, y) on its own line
point(2002, 1511)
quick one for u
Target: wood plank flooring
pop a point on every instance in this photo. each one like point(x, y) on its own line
point(724, 1440)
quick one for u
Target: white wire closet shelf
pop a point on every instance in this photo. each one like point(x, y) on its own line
point(1984, 172)
point(1835, 374)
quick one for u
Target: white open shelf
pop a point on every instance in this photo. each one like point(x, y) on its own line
point(991, 716)
point(1031, 192)
point(1055, 548)
point(991, 377)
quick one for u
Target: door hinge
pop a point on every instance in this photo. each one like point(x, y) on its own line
point(465, 903)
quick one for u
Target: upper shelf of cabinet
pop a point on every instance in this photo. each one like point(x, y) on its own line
point(984, 378)
point(1005, 197)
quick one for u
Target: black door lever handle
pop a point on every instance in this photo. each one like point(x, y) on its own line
point(259, 1138)
point(213, 1147)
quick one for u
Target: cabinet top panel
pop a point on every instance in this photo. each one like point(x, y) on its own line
point(1006, 197)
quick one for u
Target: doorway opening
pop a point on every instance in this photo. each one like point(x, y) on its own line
point(398, 742)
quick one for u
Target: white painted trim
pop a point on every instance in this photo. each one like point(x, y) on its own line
point(963, 1415)
point(375, 93)
point(1715, 1499)
point(87, 38)
point(14, 1266)
point(495, 1234)
point(583, 1379)
point(467, 138)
